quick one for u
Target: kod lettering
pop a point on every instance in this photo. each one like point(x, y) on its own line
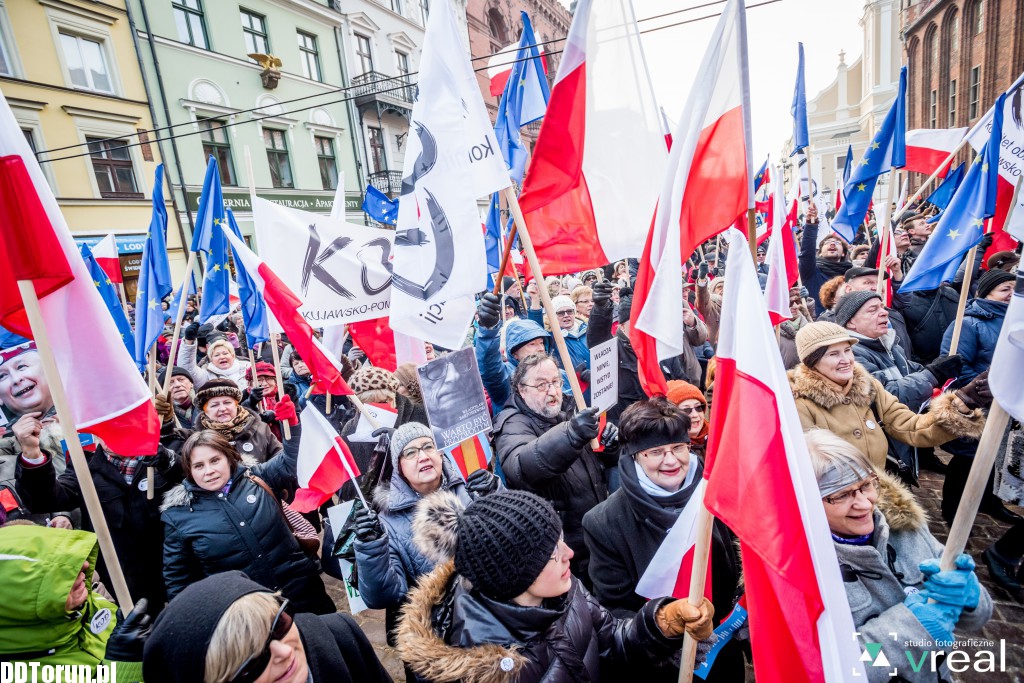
point(481, 152)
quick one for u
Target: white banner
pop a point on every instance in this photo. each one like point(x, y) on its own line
point(604, 375)
point(1011, 156)
point(340, 270)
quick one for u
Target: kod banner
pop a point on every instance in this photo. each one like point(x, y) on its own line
point(340, 270)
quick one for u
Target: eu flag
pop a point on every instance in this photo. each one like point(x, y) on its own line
point(942, 194)
point(801, 137)
point(963, 222)
point(524, 101)
point(762, 176)
point(110, 298)
point(209, 237)
point(888, 150)
point(254, 308)
point(492, 238)
point(176, 298)
point(211, 209)
point(154, 277)
point(379, 207)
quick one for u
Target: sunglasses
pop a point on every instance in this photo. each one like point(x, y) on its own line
point(256, 664)
point(435, 370)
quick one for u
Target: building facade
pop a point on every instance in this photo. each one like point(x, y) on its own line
point(69, 70)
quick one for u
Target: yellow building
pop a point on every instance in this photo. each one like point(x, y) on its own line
point(70, 72)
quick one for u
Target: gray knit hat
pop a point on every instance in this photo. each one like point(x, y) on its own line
point(403, 435)
point(851, 303)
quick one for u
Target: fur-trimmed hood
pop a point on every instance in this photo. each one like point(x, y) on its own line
point(897, 503)
point(184, 493)
point(811, 385)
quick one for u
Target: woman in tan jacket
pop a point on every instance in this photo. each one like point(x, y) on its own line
point(834, 392)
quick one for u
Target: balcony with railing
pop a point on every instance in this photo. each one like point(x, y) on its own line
point(388, 182)
point(383, 91)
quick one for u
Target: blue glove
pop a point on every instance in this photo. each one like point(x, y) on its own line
point(936, 618)
point(956, 588)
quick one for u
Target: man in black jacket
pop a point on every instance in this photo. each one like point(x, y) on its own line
point(819, 263)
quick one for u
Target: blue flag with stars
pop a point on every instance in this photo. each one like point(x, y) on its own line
point(762, 176)
point(492, 238)
point(176, 299)
point(524, 100)
point(254, 308)
point(379, 206)
point(217, 283)
point(942, 194)
point(154, 277)
point(888, 150)
point(211, 209)
point(110, 297)
point(801, 137)
point(963, 222)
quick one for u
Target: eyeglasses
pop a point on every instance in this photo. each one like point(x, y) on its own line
point(414, 451)
point(699, 408)
point(555, 554)
point(680, 450)
point(254, 666)
point(463, 362)
point(868, 488)
point(566, 312)
point(543, 387)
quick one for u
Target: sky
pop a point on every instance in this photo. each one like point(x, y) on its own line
point(773, 31)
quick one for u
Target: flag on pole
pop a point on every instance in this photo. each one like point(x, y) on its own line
point(254, 308)
point(105, 253)
point(36, 245)
point(762, 177)
point(216, 299)
point(963, 223)
point(379, 206)
point(886, 152)
point(325, 462)
point(847, 168)
point(377, 340)
point(111, 299)
point(154, 277)
point(338, 207)
point(1008, 358)
point(176, 297)
point(211, 209)
point(942, 194)
point(781, 259)
point(927, 148)
point(471, 454)
point(593, 182)
point(523, 101)
point(801, 137)
point(284, 305)
point(499, 67)
point(762, 486)
point(707, 187)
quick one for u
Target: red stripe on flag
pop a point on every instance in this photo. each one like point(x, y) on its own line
point(377, 340)
point(682, 587)
point(127, 434)
point(652, 379)
point(926, 161)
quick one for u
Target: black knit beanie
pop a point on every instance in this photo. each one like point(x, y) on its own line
point(178, 371)
point(504, 541)
point(175, 651)
point(851, 303)
point(992, 279)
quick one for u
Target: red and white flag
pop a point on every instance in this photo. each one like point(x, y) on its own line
point(325, 461)
point(927, 148)
point(600, 158)
point(105, 253)
point(284, 306)
point(499, 66)
point(708, 186)
point(781, 258)
point(762, 485)
point(107, 396)
point(669, 572)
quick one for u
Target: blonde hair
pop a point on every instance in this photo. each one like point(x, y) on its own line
point(220, 342)
point(377, 396)
point(579, 292)
point(827, 449)
point(240, 634)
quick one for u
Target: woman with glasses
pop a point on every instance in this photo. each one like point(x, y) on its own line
point(889, 562)
point(659, 474)
point(694, 406)
point(230, 629)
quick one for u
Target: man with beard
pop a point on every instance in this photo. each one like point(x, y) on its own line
point(820, 263)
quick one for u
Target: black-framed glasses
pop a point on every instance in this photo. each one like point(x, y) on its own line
point(256, 664)
point(868, 488)
point(543, 387)
point(699, 408)
point(463, 362)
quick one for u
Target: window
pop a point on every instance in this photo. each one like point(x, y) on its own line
point(112, 167)
point(328, 163)
point(496, 25)
point(87, 65)
point(952, 103)
point(188, 16)
point(979, 17)
point(935, 49)
point(216, 144)
point(954, 36)
point(975, 93)
point(378, 161)
point(933, 109)
point(425, 10)
point(396, 6)
point(309, 56)
point(402, 60)
point(6, 68)
point(30, 138)
point(254, 28)
point(277, 157)
point(364, 54)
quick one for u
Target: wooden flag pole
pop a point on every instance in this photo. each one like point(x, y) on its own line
point(285, 429)
point(152, 370)
point(549, 308)
point(124, 297)
point(920, 191)
point(883, 221)
point(361, 407)
point(67, 422)
point(698, 580)
point(504, 259)
point(965, 289)
point(172, 359)
point(751, 238)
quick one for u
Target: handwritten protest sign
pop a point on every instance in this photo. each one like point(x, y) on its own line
point(453, 395)
point(604, 375)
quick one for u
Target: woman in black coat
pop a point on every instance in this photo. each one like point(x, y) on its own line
point(659, 475)
point(221, 518)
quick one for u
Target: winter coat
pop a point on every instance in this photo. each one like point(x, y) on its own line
point(624, 532)
point(928, 313)
point(10, 472)
point(450, 632)
point(203, 374)
point(538, 455)
point(256, 440)
point(814, 271)
point(496, 373)
point(877, 575)
point(787, 345)
point(710, 308)
point(301, 385)
point(983, 320)
point(391, 564)
point(868, 414)
point(908, 381)
point(338, 650)
point(362, 451)
point(896, 323)
point(575, 339)
point(132, 517)
point(208, 532)
point(38, 569)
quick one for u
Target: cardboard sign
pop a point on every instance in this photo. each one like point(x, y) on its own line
point(364, 431)
point(453, 395)
point(604, 375)
point(337, 516)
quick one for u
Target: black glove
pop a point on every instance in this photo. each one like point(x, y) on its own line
point(986, 242)
point(256, 393)
point(488, 311)
point(583, 426)
point(268, 417)
point(224, 325)
point(603, 293)
point(482, 482)
point(129, 636)
point(383, 431)
point(367, 525)
point(702, 271)
point(977, 393)
point(945, 367)
point(610, 435)
point(191, 332)
point(583, 372)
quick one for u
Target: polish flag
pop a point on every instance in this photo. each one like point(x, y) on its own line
point(671, 568)
point(762, 485)
point(707, 188)
point(325, 461)
point(890, 250)
point(927, 148)
point(783, 267)
point(105, 253)
point(592, 185)
point(284, 306)
point(377, 340)
point(106, 394)
point(499, 66)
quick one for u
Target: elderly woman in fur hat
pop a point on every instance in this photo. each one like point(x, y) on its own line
point(833, 391)
point(889, 563)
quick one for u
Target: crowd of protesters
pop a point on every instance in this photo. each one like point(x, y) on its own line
point(528, 569)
